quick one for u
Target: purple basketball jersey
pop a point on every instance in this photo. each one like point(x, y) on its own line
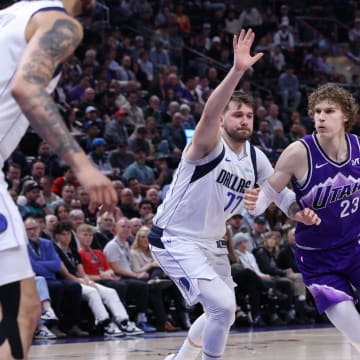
point(333, 191)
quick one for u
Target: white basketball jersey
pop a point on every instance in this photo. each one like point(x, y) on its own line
point(13, 22)
point(207, 192)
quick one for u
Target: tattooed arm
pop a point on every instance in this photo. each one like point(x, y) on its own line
point(52, 37)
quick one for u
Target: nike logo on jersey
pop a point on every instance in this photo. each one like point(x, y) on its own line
point(319, 166)
point(228, 160)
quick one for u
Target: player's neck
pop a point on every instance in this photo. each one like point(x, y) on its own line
point(335, 148)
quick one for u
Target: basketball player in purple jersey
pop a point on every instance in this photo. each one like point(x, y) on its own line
point(324, 169)
point(36, 37)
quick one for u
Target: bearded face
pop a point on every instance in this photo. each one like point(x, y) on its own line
point(237, 122)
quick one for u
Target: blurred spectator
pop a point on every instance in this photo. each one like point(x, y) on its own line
point(65, 294)
point(250, 17)
point(99, 157)
point(158, 56)
point(76, 93)
point(49, 197)
point(128, 205)
point(138, 140)
point(135, 113)
point(104, 231)
point(232, 21)
point(284, 38)
point(234, 224)
point(68, 194)
point(92, 130)
point(68, 177)
point(49, 158)
point(135, 186)
point(62, 211)
point(288, 84)
point(37, 171)
point(354, 37)
point(182, 19)
point(120, 158)
point(174, 134)
point(139, 170)
point(153, 110)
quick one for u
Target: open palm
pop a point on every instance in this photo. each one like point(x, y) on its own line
point(242, 45)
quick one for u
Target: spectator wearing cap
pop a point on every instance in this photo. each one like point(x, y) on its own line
point(138, 139)
point(34, 201)
point(234, 224)
point(121, 157)
point(116, 130)
point(139, 170)
point(215, 48)
point(99, 157)
point(284, 37)
point(92, 130)
point(257, 232)
point(135, 113)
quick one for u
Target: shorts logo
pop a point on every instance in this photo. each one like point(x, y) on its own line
point(3, 223)
point(184, 283)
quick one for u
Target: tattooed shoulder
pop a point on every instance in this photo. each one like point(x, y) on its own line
point(62, 38)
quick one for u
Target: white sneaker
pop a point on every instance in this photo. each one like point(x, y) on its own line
point(43, 333)
point(48, 315)
point(170, 357)
point(112, 330)
point(131, 329)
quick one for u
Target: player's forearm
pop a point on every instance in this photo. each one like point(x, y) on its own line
point(45, 119)
point(220, 97)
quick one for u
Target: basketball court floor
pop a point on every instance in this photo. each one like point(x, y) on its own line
point(298, 343)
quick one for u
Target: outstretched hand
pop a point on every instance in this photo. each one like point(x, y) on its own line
point(242, 45)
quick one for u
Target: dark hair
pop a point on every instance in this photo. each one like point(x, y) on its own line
point(241, 98)
point(62, 226)
point(146, 202)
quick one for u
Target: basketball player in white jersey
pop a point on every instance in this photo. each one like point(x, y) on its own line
point(35, 38)
point(208, 187)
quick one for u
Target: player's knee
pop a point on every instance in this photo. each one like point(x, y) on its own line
point(224, 311)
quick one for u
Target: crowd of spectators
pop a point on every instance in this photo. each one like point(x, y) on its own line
point(132, 95)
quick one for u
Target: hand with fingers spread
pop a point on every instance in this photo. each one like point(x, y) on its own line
point(242, 45)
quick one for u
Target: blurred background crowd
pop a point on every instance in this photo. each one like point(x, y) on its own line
point(132, 95)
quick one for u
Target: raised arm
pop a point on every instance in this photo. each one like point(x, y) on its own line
point(52, 37)
point(207, 132)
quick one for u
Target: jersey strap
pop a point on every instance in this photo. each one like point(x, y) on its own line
point(253, 160)
point(202, 170)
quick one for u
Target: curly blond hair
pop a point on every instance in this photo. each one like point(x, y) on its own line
point(337, 95)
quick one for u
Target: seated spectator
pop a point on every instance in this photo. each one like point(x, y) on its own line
point(266, 257)
point(97, 268)
point(140, 171)
point(92, 130)
point(50, 220)
point(68, 177)
point(135, 113)
point(174, 134)
point(62, 211)
point(68, 194)
point(138, 139)
point(96, 295)
point(136, 224)
point(84, 199)
point(49, 159)
point(46, 184)
point(120, 158)
point(65, 294)
point(104, 231)
point(116, 131)
point(34, 203)
point(48, 316)
point(288, 84)
point(146, 207)
point(137, 190)
point(153, 196)
point(142, 260)
point(99, 157)
point(128, 205)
